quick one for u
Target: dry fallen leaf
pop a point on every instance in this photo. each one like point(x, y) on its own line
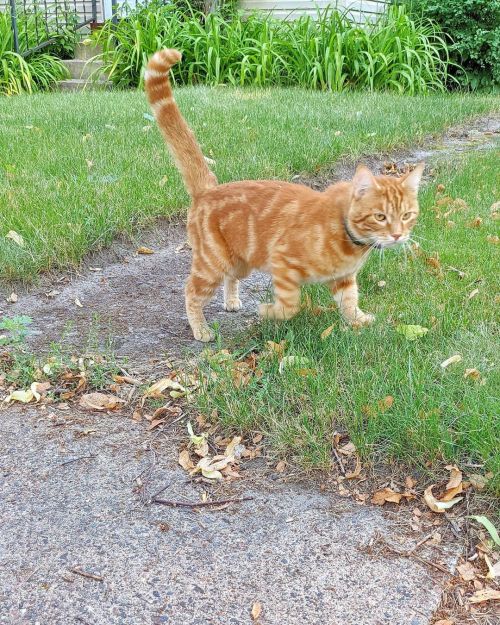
point(493, 239)
point(473, 294)
point(256, 610)
point(455, 477)
point(100, 401)
point(438, 506)
point(281, 466)
point(326, 333)
point(16, 237)
point(78, 303)
point(386, 495)
point(477, 480)
point(467, 571)
point(276, 348)
point(348, 449)
point(473, 374)
point(451, 361)
point(356, 472)
point(444, 622)
point(488, 594)
point(156, 389)
point(386, 403)
point(185, 460)
point(144, 250)
point(12, 299)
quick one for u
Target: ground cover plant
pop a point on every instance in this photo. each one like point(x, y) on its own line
point(76, 170)
point(397, 52)
point(421, 384)
point(34, 72)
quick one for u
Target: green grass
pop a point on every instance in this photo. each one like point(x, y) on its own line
point(76, 170)
point(437, 415)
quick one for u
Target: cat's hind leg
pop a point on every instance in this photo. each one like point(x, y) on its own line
point(199, 291)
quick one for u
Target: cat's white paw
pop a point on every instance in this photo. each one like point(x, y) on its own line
point(362, 319)
point(204, 334)
point(232, 305)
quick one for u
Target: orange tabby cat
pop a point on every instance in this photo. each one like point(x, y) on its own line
point(296, 234)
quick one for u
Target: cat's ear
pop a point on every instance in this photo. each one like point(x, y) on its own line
point(411, 181)
point(363, 181)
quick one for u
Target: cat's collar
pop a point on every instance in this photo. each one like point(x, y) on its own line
point(352, 237)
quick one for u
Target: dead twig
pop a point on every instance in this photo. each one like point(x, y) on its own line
point(97, 578)
point(199, 504)
point(76, 460)
point(339, 461)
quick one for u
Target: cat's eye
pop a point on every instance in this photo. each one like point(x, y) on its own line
point(380, 217)
point(407, 216)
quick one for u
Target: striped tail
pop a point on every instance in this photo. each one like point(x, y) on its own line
point(179, 137)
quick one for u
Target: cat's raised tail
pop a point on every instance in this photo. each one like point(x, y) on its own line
point(179, 137)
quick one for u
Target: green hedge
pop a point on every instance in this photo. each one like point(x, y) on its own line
point(474, 27)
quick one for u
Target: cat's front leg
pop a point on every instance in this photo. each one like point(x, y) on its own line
point(345, 294)
point(232, 300)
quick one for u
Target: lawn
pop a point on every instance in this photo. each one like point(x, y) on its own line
point(389, 393)
point(76, 170)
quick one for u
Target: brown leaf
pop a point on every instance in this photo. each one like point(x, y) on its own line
point(438, 506)
point(473, 374)
point(488, 594)
point(467, 571)
point(386, 403)
point(100, 401)
point(477, 481)
point(444, 622)
point(155, 423)
point(348, 449)
point(144, 250)
point(326, 333)
point(185, 460)
point(356, 472)
point(473, 294)
point(12, 299)
point(276, 348)
point(281, 466)
point(410, 482)
point(386, 495)
point(455, 477)
point(256, 610)
point(451, 361)
point(257, 438)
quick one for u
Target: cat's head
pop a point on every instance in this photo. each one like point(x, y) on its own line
point(383, 209)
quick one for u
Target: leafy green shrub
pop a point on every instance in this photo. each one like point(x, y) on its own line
point(474, 27)
point(331, 52)
point(35, 72)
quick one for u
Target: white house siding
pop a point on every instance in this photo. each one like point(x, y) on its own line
point(360, 10)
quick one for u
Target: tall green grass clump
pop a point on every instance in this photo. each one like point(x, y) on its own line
point(31, 73)
point(331, 52)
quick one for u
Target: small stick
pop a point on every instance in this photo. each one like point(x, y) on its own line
point(76, 460)
point(199, 504)
point(339, 460)
point(153, 497)
point(420, 542)
point(97, 578)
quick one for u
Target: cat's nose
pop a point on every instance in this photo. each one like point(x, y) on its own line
point(396, 236)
